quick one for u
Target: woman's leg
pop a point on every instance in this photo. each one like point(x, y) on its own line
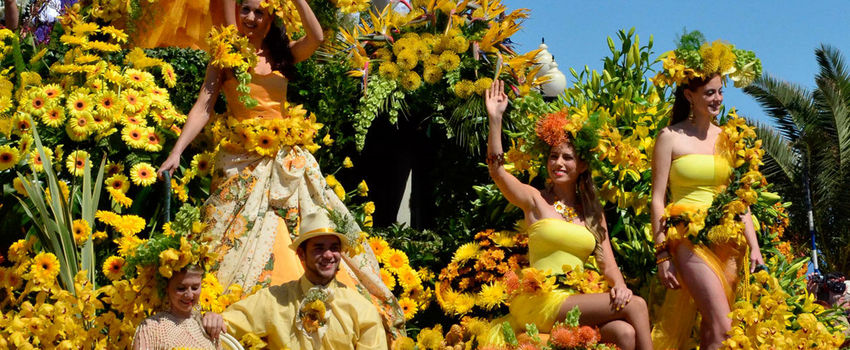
point(708, 293)
point(619, 332)
point(596, 310)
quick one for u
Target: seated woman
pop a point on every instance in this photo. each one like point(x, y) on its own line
point(566, 226)
point(180, 326)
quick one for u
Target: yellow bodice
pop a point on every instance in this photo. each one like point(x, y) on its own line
point(268, 89)
point(696, 178)
point(553, 243)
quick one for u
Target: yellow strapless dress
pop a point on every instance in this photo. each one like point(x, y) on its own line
point(552, 243)
point(181, 23)
point(694, 181)
point(256, 203)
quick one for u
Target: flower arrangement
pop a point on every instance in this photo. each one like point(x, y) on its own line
point(721, 223)
point(472, 283)
point(405, 282)
point(231, 50)
point(442, 51)
point(313, 314)
point(266, 137)
point(775, 311)
point(695, 58)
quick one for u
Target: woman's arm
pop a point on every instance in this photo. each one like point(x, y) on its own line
point(515, 191)
point(197, 119)
point(662, 157)
point(303, 48)
point(12, 14)
point(620, 293)
point(752, 241)
point(229, 12)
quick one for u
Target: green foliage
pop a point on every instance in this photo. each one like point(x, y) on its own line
point(190, 66)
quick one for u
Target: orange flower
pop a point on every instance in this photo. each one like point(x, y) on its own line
point(552, 128)
point(563, 337)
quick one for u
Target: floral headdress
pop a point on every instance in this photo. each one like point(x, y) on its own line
point(577, 125)
point(695, 58)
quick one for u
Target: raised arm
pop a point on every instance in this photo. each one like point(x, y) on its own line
point(229, 12)
point(12, 14)
point(662, 157)
point(515, 191)
point(303, 48)
point(197, 119)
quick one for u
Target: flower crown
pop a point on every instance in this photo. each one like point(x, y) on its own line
point(695, 58)
point(576, 125)
point(174, 249)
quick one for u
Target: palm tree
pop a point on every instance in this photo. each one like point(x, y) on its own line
point(807, 153)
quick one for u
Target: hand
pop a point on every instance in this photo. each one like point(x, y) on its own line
point(170, 165)
point(812, 283)
point(620, 296)
point(667, 274)
point(755, 259)
point(496, 100)
point(214, 325)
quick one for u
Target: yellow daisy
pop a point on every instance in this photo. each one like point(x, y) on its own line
point(380, 247)
point(45, 267)
point(113, 268)
point(266, 143)
point(202, 163)
point(387, 278)
point(408, 306)
point(9, 157)
point(81, 230)
point(79, 102)
point(134, 136)
point(53, 117)
point(408, 278)
point(143, 174)
point(118, 182)
point(76, 162)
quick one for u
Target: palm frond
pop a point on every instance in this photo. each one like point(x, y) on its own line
point(789, 105)
point(781, 163)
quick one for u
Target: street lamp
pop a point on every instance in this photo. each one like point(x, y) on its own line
point(556, 82)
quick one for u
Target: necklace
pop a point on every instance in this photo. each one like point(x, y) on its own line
point(566, 211)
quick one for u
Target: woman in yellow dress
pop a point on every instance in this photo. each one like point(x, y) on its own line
point(686, 160)
point(566, 226)
point(256, 201)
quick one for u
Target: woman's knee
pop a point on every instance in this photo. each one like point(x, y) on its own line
point(637, 306)
point(621, 333)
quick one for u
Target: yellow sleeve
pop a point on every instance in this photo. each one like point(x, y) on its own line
point(372, 333)
point(250, 315)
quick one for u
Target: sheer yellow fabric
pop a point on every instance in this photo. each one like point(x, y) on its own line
point(182, 23)
point(694, 181)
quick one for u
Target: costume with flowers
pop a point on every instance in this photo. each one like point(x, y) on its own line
point(164, 331)
point(695, 182)
point(264, 181)
point(182, 23)
point(289, 319)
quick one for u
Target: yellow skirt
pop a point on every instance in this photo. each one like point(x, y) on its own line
point(181, 23)
point(538, 309)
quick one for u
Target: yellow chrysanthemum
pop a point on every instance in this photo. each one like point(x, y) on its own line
point(407, 59)
point(411, 81)
point(449, 61)
point(492, 295)
point(432, 74)
point(81, 230)
point(464, 88)
point(45, 267)
point(408, 306)
point(465, 252)
point(143, 174)
point(76, 162)
point(389, 70)
point(9, 157)
point(481, 85)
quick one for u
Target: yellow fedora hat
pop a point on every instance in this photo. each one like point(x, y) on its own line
point(315, 225)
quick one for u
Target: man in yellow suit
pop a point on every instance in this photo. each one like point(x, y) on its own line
point(314, 312)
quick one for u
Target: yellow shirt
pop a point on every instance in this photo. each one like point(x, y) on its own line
point(354, 322)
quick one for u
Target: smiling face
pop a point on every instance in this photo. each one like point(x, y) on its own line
point(184, 289)
point(320, 256)
point(706, 99)
point(253, 20)
point(564, 166)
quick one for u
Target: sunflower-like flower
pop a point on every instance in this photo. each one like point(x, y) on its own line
point(9, 157)
point(53, 117)
point(408, 278)
point(380, 247)
point(408, 306)
point(143, 174)
point(396, 259)
point(45, 267)
point(76, 162)
point(81, 230)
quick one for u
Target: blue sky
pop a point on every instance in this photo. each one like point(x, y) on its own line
point(783, 34)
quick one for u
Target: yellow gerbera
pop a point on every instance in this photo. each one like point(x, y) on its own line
point(408, 278)
point(118, 182)
point(45, 267)
point(81, 230)
point(113, 168)
point(79, 102)
point(113, 268)
point(266, 143)
point(154, 140)
point(408, 306)
point(81, 123)
point(388, 279)
point(76, 162)
point(396, 259)
point(202, 163)
point(9, 156)
point(130, 225)
point(53, 117)
point(134, 136)
point(37, 103)
point(143, 174)
point(107, 103)
point(380, 247)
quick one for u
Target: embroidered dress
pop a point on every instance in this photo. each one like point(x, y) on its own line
point(694, 181)
point(256, 203)
point(166, 331)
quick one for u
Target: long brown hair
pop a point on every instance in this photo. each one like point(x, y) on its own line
point(591, 209)
point(282, 60)
point(681, 105)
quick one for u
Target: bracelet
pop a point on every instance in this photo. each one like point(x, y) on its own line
point(497, 159)
point(662, 259)
point(660, 247)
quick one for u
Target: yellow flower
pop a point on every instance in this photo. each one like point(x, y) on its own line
point(411, 81)
point(369, 208)
point(449, 61)
point(81, 230)
point(143, 174)
point(76, 162)
point(432, 74)
point(408, 278)
point(464, 88)
point(202, 163)
point(408, 306)
point(331, 180)
point(79, 102)
point(465, 252)
point(396, 259)
point(492, 295)
point(9, 157)
point(118, 182)
point(481, 85)
point(389, 70)
point(266, 143)
point(119, 197)
point(387, 278)
point(53, 117)
point(407, 59)
point(327, 140)
point(380, 248)
point(18, 185)
point(113, 268)
point(431, 339)
point(363, 191)
point(45, 266)
point(340, 192)
point(347, 163)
